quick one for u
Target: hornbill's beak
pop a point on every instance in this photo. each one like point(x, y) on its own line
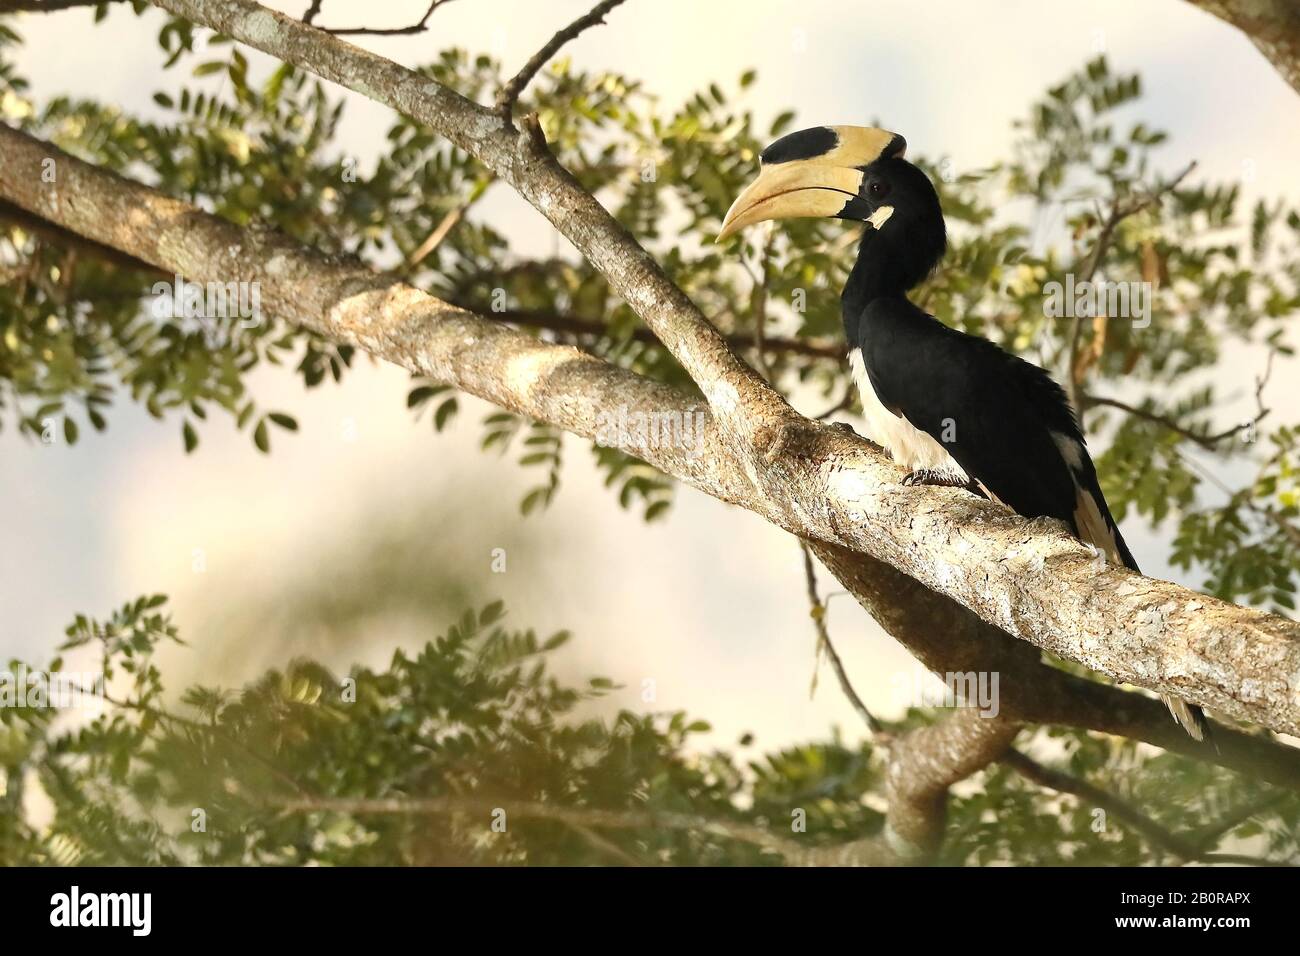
point(814, 172)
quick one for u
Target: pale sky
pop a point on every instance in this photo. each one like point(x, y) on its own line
point(710, 604)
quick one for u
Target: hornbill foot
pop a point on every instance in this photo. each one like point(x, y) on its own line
point(943, 479)
point(844, 427)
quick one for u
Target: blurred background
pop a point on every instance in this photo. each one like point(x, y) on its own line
point(366, 531)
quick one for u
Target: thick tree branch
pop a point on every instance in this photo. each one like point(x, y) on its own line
point(947, 639)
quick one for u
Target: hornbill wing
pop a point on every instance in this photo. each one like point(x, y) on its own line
point(1001, 418)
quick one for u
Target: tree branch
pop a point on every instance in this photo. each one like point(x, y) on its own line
point(509, 93)
point(817, 611)
point(418, 27)
point(925, 764)
point(947, 639)
point(1193, 850)
point(1209, 442)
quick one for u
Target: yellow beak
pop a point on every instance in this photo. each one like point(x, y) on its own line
point(792, 183)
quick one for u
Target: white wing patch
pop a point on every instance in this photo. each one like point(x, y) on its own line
point(1093, 527)
point(912, 448)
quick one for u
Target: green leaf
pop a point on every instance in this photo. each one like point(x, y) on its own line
point(262, 437)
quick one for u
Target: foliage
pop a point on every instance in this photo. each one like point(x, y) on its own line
point(477, 720)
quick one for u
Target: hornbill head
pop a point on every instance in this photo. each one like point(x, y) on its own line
point(857, 173)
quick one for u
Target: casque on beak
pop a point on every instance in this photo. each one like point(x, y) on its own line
point(814, 172)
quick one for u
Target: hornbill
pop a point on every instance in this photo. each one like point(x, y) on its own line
point(953, 408)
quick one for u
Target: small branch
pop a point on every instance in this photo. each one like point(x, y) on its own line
point(817, 611)
point(1119, 211)
point(1194, 850)
point(1035, 772)
point(418, 27)
point(509, 94)
point(1209, 836)
point(439, 233)
point(850, 392)
point(1208, 442)
point(1245, 500)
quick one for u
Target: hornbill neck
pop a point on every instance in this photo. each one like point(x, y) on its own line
point(888, 266)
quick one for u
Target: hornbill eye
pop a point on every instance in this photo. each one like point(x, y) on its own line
point(878, 189)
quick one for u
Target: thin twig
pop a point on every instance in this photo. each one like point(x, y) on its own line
point(509, 94)
point(1208, 442)
point(1208, 837)
point(817, 611)
point(1280, 521)
point(445, 226)
point(1119, 211)
point(418, 27)
point(846, 402)
point(1193, 850)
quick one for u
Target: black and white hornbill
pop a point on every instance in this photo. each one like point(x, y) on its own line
point(952, 408)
